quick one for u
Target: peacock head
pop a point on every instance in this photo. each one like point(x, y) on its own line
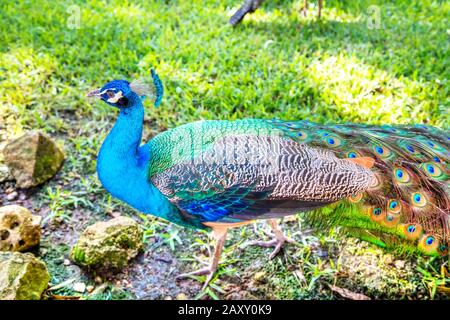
point(117, 93)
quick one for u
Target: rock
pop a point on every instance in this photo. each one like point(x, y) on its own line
point(90, 289)
point(182, 296)
point(32, 158)
point(259, 276)
point(4, 173)
point(9, 189)
point(22, 276)
point(388, 258)
point(12, 196)
point(110, 244)
point(74, 272)
point(66, 262)
point(399, 264)
point(79, 287)
point(19, 229)
point(98, 280)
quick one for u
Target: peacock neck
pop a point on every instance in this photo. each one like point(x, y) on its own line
point(123, 165)
point(125, 137)
point(118, 157)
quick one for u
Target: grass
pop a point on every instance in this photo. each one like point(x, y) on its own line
point(276, 64)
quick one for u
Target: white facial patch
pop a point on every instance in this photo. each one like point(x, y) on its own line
point(116, 97)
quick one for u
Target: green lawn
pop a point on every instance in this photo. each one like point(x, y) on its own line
point(277, 63)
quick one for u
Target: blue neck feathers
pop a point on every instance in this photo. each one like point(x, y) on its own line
point(123, 165)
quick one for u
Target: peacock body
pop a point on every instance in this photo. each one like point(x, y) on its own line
point(222, 171)
point(385, 184)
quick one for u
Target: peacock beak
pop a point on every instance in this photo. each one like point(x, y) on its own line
point(94, 93)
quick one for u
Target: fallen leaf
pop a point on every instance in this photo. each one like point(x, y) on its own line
point(443, 289)
point(61, 285)
point(349, 294)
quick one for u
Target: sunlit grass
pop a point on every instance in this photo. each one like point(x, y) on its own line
point(362, 92)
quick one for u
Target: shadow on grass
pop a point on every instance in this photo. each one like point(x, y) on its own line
point(412, 49)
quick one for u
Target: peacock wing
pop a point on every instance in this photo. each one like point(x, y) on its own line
point(248, 175)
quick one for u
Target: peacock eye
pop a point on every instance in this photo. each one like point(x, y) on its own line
point(432, 169)
point(391, 220)
point(382, 152)
point(429, 240)
point(433, 145)
point(418, 199)
point(353, 154)
point(377, 214)
point(442, 250)
point(394, 206)
point(332, 140)
point(302, 135)
point(110, 94)
point(402, 175)
point(430, 244)
point(356, 197)
point(413, 231)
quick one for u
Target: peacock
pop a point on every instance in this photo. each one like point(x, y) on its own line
point(385, 184)
point(250, 6)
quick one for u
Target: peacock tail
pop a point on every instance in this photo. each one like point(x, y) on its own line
point(275, 168)
point(410, 204)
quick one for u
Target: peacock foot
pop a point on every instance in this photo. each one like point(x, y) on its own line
point(220, 235)
point(278, 241)
point(208, 271)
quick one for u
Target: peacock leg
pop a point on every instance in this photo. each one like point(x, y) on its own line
point(277, 242)
point(219, 235)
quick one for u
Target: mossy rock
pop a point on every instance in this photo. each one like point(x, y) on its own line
point(32, 158)
point(22, 276)
point(19, 229)
point(110, 244)
point(4, 173)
